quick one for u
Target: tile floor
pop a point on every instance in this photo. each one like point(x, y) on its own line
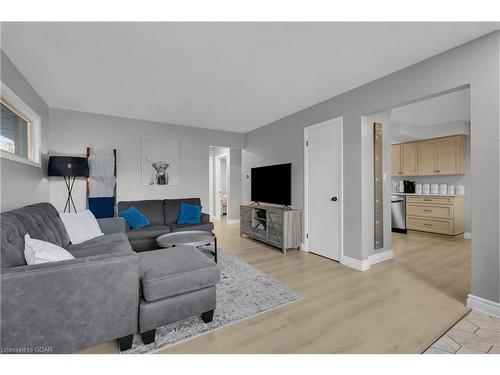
point(476, 333)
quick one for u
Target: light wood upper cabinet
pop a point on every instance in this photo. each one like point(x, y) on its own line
point(396, 160)
point(404, 159)
point(451, 155)
point(437, 156)
point(427, 155)
point(409, 156)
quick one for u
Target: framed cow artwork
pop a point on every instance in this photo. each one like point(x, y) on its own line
point(160, 161)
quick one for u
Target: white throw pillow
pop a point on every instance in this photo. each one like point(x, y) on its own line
point(82, 226)
point(38, 251)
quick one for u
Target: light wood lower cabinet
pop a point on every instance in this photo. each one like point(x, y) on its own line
point(434, 214)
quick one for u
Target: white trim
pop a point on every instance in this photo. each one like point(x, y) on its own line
point(10, 156)
point(364, 265)
point(340, 120)
point(359, 265)
point(380, 257)
point(233, 221)
point(36, 121)
point(303, 247)
point(483, 305)
point(468, 235)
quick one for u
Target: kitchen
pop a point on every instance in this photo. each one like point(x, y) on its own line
point(430, 160)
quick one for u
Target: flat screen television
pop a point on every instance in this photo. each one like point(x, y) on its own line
point(272, 184)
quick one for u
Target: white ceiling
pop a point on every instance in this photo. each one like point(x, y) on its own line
point(442, 109)
point(228, 76)
point(435, 117)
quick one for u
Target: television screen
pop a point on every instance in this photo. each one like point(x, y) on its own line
point(272, 184)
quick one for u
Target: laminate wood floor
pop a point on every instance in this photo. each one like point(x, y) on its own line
point(399, 306)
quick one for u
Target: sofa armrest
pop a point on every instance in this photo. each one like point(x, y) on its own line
point(69, 305)
point(112, 225)
point(205, 218)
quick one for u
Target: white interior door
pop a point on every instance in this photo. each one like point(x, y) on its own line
point(323, 187)
point(211, 186)
point(218, 208)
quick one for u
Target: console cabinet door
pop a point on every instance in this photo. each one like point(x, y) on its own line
point(409, 158)
point(396, 160)
point(245, 220)
point(427, 156)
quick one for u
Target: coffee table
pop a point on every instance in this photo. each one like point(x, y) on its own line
point(195, 238)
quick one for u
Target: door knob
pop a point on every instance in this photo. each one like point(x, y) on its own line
point(333, 199)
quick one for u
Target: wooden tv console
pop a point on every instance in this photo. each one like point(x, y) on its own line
point(276, 226)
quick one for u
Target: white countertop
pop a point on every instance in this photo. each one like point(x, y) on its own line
point(431, 195)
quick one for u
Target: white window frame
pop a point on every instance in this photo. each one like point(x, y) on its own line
point(25, 111)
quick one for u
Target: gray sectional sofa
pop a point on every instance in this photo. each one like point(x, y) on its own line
point(107, 292)
point(162, 216)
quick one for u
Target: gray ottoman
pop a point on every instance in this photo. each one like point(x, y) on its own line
point(175, 284)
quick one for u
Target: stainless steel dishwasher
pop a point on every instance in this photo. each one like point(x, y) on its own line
point(398, 213)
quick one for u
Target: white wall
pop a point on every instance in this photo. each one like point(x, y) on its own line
point(23, 184)
point(235, 179)
point(476, 64)
point(73, 131)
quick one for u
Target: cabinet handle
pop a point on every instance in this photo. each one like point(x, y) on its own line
point(427, 225)
point(427, 200)
point(427, 210)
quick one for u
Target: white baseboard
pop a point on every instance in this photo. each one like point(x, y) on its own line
point(483, 305)
point(359, 265)
point(380, 257)
point(233, 221)
point(364, 265)
point(303, 247)
point(468, 235)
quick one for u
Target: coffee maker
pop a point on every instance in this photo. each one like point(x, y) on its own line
point(409, 186)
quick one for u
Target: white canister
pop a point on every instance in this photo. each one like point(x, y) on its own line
point(460, 189)
point(418, 189)
point(426, 189)
point(443, 189)
point(451, 189)
point(401, 187)
point(434, 189)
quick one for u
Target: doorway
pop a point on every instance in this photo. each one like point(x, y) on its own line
point(323, 174)
point(218, 182)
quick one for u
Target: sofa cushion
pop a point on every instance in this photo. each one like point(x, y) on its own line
point(152, 209)
point(170, 272)
point(151, 231)
point(171, 208)
point(108, 244)
point(38, 251)
point(41, 221)
point(181, 227)
point(135, 218)
point(189, 214)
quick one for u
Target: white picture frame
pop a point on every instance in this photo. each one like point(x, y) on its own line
point(159, 161)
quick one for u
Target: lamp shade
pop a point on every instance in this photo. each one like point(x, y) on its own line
point(68, 166)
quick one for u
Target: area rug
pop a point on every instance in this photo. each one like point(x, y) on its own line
point(243, 292)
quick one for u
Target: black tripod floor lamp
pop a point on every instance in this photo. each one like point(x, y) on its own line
point(68, 167)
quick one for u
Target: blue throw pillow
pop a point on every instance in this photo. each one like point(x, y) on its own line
point(189, 214)
point(135, 218)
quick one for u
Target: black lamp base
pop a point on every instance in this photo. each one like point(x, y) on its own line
point(70, 182)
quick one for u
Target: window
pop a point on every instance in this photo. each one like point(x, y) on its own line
point(19, 129)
